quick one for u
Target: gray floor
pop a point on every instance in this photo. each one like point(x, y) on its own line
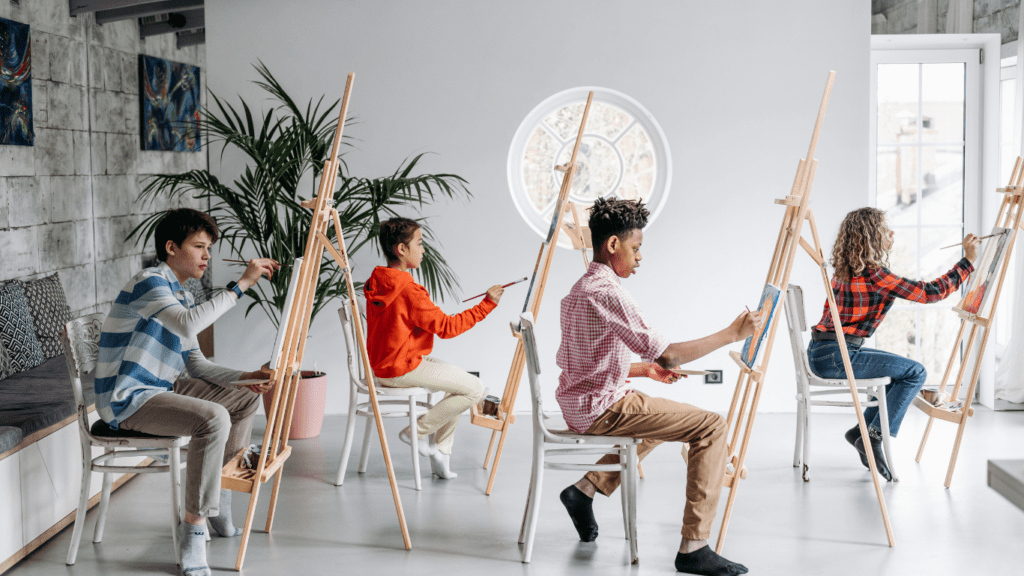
point(781, 525)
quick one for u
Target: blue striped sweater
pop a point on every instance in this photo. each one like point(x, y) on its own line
point(148, 338)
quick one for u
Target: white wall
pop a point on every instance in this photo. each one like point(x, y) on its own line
point(735, 87)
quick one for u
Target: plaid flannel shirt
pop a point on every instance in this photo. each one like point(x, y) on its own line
point(601, 324)
point(863, 301)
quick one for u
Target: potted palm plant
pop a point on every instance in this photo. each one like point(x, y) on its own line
point(259, 213)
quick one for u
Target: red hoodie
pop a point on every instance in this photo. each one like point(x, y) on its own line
point(401, 322)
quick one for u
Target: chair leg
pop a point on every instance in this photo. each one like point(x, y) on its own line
point(83, 503)
point(883, 418)
point(529, 499)
point(346, 449)
point(533, 501)
point(174, 462)
point(630, 472)
point(364, 456)
point(807, 441)
point(624, 476)
point(101, 517)
point(415, 443)
point(797, 460)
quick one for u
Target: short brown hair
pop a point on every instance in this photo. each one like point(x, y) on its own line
point(394, 232)
point(860, 246)
point(179, 224)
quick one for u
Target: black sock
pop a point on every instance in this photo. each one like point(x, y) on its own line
point(706, 562)
point(581, 509)
point(852, 435)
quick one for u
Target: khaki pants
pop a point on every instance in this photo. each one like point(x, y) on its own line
point(462, 391)
point(658, 420)
point(218, 419)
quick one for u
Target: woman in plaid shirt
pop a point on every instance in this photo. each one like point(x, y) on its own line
point(865, 290)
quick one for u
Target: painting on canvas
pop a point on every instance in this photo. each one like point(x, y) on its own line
point(769, 300)
point(169, 105)
point(16, 87)
point(985, 271)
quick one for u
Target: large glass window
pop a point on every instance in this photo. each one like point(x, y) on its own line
point(623, 154)
point(923, 126)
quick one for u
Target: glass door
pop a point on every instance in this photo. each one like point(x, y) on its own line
point(925, 167)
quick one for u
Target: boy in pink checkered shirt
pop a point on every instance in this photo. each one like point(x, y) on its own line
point(601, 325)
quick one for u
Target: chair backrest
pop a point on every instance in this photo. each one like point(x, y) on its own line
point(356, 373)
point(533, 370)
point(797, 326)
point(81, 341)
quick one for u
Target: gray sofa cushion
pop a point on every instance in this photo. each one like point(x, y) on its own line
point(17, 332)
point(40, 397)
point(9, 438)
point(6, 364)
point(50, 311)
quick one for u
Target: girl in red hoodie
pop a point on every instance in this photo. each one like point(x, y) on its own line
point(401, 322)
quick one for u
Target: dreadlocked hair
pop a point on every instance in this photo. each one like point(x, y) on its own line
point(611, 217)
point(860, 246)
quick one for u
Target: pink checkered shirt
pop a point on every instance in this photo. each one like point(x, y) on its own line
point(601, 324)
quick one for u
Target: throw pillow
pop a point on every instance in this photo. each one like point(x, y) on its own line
point(6, 366)
point(17, 334)
point(50, 311)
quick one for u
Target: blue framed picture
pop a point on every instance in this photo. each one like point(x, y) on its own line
point(169, 105)
point(15, 84)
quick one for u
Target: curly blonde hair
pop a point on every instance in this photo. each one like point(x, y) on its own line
point(860, 246)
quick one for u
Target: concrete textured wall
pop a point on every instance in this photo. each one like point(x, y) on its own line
point(67, 203)
point(990, 16)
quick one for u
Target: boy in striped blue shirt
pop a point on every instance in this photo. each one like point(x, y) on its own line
point(148, 338)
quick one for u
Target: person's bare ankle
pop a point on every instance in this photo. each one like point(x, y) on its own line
point(587, 487)
point(688, 546)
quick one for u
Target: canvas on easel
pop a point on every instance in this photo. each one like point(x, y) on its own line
point(580, 236)
point(752, 345)
point(977, 309)
point(290, 348)
point(743, 409)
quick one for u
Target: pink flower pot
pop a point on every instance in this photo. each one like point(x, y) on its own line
point(308, 417)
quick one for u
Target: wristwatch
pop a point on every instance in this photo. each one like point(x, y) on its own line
point(233, 286)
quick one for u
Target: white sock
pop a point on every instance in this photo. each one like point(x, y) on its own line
point(192, 549)
point(221, 524)
point(422, 444)
point(439, 462)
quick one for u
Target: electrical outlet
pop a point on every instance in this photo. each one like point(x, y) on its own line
point(715, 377)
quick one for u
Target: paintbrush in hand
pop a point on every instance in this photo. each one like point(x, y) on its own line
point(982, 238)
point(523, 279)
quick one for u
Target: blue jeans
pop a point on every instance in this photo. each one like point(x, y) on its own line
point(907, 376)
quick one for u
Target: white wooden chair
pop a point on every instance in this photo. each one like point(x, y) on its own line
point(394, 402)
point(580, 445)
point(80, 338)
point(872, 388)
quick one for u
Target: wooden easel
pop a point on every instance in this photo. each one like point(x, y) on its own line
point(742, 413)
point(275, 450)
point(580, 237)
point(1009, 217)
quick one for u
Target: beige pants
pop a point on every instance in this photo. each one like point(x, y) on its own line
point(461, 388)
point(658, 420)
point(218, 419)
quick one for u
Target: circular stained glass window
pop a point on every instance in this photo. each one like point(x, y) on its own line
point(623, 154)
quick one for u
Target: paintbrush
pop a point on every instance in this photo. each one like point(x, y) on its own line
point(246, 262)
point(982, 238)
point(523, 279)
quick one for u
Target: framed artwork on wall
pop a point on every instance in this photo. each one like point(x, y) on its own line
point(169, 105)
point(15, 84)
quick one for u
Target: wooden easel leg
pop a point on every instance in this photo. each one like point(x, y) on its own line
point(273, 500)
point(497, 456)
point(249, 516)
point(956, 446)
point(924, 439)
point(725, 516)
point(490, 448)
